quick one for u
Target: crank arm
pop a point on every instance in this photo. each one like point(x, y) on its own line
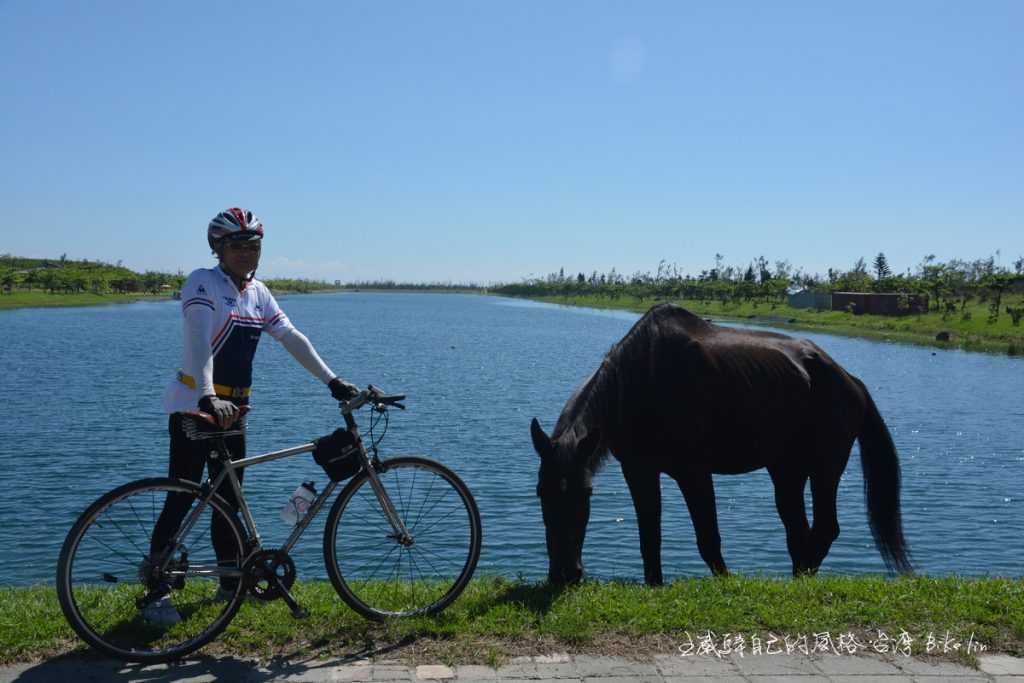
point(298, 611)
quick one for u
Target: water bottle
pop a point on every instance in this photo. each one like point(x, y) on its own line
point(296, 507)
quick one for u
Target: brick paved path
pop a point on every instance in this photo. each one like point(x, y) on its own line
point(559, 667)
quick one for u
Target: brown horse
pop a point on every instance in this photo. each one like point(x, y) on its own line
point(680, 396)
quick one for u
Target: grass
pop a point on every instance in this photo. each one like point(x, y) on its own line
point(498, 618)
point(38, 299)
point(972, 332)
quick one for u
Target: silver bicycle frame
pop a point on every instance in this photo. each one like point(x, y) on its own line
point(255, 541)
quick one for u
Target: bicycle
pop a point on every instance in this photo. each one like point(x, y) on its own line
point(410, 526)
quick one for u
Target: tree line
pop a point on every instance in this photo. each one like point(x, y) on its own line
point(392, 285)
point(950, 286)
point(68, 276)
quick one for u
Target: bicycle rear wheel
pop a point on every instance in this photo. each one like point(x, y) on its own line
point(105, 571)
point(375, 574)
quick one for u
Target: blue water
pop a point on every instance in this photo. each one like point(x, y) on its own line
point(82, 389)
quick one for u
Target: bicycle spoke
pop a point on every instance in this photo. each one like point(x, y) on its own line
point(146, 529)
point(435, 522)
point(103, 570)
point(426, 497)
point(125, 535)
point(205, 538)
point(113, 550)
point(412, 486)
point(142, 526)
point(387, 543)
point(357, 572)
point(419, 578)
point(424, 551)
point(393, 574)
point(412, 579)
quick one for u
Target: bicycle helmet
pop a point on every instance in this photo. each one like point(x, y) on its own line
point(234, 224)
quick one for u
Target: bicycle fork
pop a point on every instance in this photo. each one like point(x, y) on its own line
point(401, 535)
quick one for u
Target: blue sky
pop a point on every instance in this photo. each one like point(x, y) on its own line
point(491, 141)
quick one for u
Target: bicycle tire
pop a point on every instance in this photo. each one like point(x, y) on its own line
point(365, 533)
point(102, 572)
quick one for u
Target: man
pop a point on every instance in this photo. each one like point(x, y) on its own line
point(225, 311)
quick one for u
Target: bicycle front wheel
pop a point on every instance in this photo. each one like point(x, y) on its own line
point(120, 603)
point(381, 577)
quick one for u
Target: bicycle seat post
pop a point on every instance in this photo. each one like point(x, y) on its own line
point(221, 444)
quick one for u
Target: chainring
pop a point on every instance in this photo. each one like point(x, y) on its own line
point(262, 566)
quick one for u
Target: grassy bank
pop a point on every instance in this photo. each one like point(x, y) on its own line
point(972, 332)
point(497, 618)
point(426, 289)
point(37, 299)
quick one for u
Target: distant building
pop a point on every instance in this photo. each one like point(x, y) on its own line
point(806, 298)
point(879, 304)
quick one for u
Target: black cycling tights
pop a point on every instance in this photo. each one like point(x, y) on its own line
point(188, 458)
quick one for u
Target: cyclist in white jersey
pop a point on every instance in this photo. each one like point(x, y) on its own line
point(225, 311)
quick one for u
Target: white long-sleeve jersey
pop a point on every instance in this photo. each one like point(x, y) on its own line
point(222, 328)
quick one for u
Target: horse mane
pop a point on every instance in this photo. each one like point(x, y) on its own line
point(595, 403)
point(587, 409)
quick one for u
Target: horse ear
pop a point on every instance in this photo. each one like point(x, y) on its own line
point(541, 441)
point(588, 443)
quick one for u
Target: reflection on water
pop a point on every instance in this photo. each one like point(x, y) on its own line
point(82, 391)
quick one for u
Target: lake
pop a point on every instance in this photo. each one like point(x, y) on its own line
point(82, 392)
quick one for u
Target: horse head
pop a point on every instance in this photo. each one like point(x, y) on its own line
point(564, 488)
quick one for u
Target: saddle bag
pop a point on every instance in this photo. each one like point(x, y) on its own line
point(338, 454)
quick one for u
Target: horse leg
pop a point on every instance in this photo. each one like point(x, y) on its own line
point(789, 501)
point(645, 488)
point(824, 489)
point(699, 492)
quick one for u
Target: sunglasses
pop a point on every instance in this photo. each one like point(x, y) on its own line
point(252, 245)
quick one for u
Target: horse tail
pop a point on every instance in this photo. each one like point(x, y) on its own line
point(881, 468)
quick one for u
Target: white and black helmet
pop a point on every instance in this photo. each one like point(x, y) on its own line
point(234, 224)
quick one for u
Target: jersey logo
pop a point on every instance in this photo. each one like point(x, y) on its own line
point(229, 301)
point(201, 290)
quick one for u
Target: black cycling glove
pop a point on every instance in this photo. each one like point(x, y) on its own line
point(342, 390)
point(226, 412)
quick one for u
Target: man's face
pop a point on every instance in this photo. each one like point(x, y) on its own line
point(240, 257)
